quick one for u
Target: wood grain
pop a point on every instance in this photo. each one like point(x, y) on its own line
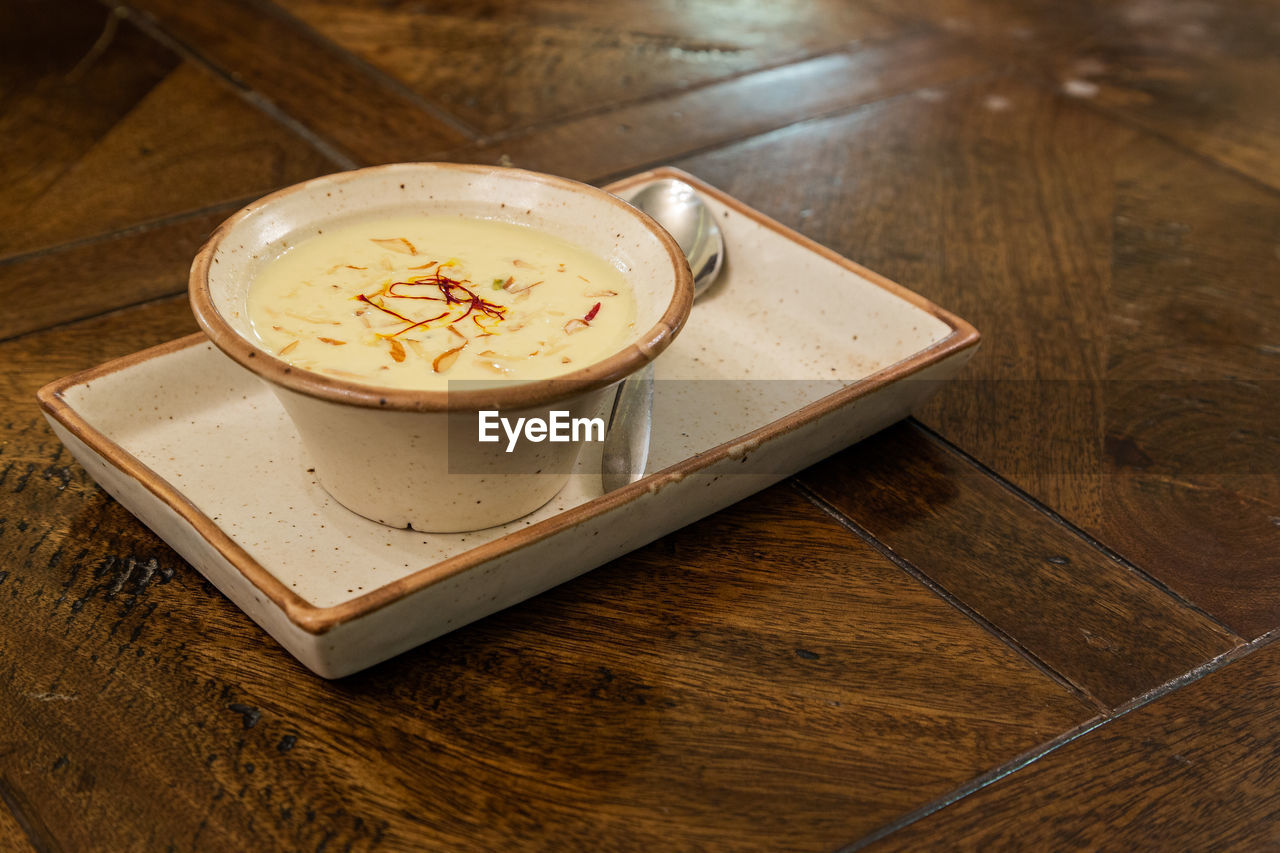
point(1112, 633)
point(360, 117)
point(993, 199)
point(1194, 770)
point(1199, 74)
point(14, 837)
point(629, 138)
point(507, 65)
point(1192, 414)
point(1093, 184)
point(67, 284)
point(1109, 292)
point(673, 698)
point(65, 81)
point(189, 144)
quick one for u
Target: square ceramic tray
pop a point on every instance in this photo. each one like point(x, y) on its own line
point(756, 387)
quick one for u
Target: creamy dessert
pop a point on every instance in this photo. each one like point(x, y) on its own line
point(417, 301)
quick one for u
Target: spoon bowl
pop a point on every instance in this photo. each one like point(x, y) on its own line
point(679, 210)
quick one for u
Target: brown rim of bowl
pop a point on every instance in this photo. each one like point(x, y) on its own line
point(519, 395)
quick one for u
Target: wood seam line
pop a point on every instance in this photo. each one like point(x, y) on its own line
point(1057, 518)
point(97, 49)
point(1191, 153)
point(834, 113)
point(160, 297)
point(236, 204)
point(1039, 78)
point(151, 27)
point(1076, 690)
point(29, 822)
point(1036, 753)
point(913, 30)
point(387, 80)
point(128, 231)
point(1016, 63)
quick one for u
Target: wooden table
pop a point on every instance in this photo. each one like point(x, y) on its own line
point(1038, 615)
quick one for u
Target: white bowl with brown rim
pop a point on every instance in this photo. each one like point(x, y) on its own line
point(397, 455)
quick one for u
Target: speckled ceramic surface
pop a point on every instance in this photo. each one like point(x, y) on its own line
point(187, 441)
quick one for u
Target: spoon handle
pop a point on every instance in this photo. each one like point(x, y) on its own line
point(626, 444)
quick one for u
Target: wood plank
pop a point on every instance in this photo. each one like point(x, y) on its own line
point(1019, 28)
point(1107, 629)
point(995, 200)
point(189, 144)
point(65, 81)
point(1192, 417)
point(1112, 276)
point(67, 284)
point(13, 838)
point(360, 116)
point(1200, 74)
point(794, 691)
point(629, 138)
point(514, 64)
point(1194, 770)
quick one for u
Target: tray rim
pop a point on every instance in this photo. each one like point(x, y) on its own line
point(319, 620)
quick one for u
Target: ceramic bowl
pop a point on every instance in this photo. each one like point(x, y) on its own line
point(406, 458)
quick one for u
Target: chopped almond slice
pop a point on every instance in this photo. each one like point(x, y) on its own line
point(597, 294)
point(577, 324)
point(564, 359)
point(459, 334)
point(493, 365)
point(419, 349)
point(288, 348)
point(332, 341)
point(523, 287)
point(396, 244)
point(333, 371)
point(584, 278)
point(560, 268)
point(446, 359)
point(519, 263)
point(354, 267)
point(397, 351)
point(428, 265)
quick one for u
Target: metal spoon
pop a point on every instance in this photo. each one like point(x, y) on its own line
point(677, 208)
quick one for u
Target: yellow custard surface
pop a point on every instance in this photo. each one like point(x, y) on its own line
point(418, 301)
